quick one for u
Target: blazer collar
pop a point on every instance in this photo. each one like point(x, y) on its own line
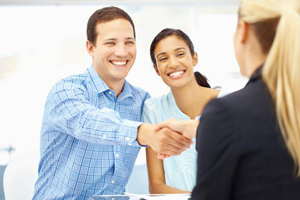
point(256, 75)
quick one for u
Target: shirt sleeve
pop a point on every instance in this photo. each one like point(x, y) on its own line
point(148, 115)
point(69, 111)
point(217, 148)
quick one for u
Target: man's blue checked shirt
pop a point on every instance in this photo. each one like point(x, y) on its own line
point(88, 138)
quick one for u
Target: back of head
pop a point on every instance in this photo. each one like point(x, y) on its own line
point(276, 24)
point(103, 15)
point(167, 32)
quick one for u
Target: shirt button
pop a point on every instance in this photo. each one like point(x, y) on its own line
point(112, 181)
point(117, 155)
point(127, 138)
point(104, 136)
point(129, 144)
point(109, 92)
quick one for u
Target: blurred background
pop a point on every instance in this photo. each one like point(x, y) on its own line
point(42, 41)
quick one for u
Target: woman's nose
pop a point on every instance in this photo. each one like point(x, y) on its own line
point(173, 62)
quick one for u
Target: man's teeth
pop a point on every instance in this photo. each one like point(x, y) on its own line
point(119, 62)
point(175, 74)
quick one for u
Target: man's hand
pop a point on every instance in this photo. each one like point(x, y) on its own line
point(188, 128)
point(163, 140)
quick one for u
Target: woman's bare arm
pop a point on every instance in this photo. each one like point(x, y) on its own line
point(156, 174)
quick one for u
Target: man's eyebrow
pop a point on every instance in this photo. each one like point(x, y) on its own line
point(114, 39)
point(129, 38)
point(110, 39)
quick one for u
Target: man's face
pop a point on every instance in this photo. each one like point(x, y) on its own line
point(114, 51)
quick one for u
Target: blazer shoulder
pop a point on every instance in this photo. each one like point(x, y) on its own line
point(251, 93)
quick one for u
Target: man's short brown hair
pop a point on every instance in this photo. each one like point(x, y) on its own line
point(105, 15)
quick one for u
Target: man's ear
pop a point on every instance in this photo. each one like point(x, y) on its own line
point(90, 48)
point(155, 68)
point(195, 59)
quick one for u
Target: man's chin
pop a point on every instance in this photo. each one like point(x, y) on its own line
point(120, 77)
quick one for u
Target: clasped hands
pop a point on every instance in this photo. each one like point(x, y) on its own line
point(168, 138)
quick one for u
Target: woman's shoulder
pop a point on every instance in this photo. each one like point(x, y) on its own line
point(158, 109)
point(156, 102)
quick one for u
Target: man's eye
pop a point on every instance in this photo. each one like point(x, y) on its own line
point(163, 59)
point(129, 42)
point(109, 43)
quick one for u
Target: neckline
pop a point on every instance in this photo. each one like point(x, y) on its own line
point(177, 111)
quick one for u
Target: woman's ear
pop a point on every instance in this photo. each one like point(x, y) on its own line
point(242, 31)
point(155, 68)
point(90, 48)
point(195, 59)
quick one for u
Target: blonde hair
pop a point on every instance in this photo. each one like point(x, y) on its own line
point(281, 71)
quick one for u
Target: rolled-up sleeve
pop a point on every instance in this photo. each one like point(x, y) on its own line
point(68, 110)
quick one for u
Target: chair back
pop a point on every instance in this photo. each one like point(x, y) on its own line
point(20, 176)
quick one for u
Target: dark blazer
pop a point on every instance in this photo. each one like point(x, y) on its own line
point(241, 152)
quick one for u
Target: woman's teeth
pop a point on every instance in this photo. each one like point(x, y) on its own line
point(176, 74)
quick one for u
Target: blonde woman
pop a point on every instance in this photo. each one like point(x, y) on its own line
point(248, 142)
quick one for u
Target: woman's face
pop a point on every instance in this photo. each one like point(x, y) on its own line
point(174, 62)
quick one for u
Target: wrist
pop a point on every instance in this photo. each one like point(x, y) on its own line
point(190, 128)
point(143, 134)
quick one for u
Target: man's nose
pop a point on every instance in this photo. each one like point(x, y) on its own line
point(121, 50)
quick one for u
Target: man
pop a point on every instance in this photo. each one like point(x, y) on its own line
point(91, 133)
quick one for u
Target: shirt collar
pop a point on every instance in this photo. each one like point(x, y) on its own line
point(126, 91)
point(97, 81)
point(101, 87)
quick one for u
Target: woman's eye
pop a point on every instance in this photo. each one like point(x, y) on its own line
point(180, 54)
point(162, 59)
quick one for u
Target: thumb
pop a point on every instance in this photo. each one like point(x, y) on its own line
point(159, 126)
point(163, 124)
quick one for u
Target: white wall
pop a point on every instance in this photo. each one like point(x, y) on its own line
point(41, 44)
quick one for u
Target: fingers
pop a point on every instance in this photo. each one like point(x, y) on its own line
point(168, 123)
point(181, 141)
point(169, 150)
point(162, 156)
point(170, 142)
point(161, 125)
point(188, 128)
point(175, 139)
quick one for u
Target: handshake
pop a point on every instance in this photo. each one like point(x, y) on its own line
point(168, 138)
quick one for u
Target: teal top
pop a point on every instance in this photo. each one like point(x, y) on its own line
point(180, 171)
